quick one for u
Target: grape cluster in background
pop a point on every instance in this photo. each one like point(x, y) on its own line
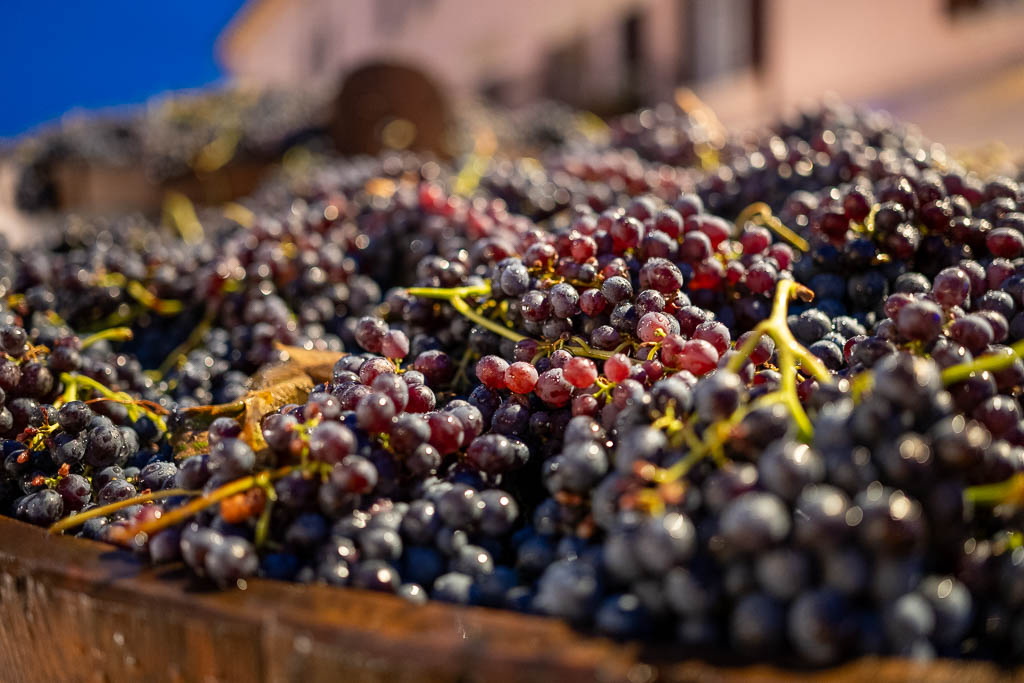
point(755, 395)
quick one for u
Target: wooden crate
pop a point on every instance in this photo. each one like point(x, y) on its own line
point(75, 610)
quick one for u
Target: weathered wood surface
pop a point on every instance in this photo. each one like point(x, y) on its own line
point(75, 610)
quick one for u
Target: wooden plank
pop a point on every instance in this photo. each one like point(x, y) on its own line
point(75, 610)
point(72, 609)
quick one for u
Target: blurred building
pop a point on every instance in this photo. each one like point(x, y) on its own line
point(750, 59)
point(604, 54)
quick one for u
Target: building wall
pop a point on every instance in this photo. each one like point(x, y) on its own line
point(462, 43)
point(867, 49)
point(880, 48)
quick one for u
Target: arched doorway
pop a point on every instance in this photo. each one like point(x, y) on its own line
point(389, 106)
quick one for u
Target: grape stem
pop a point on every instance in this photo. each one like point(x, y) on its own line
point(460, 305)
point(177, 356)
point(450, 292)
point(961, 371)
point(760, 213)
point(263, 524)
point(138, 291)
point(456, 297)
point(791, 353)
point(118, 334)
point(133, 406)
point(80, 518)
point(1007, 492)
point(193, 507)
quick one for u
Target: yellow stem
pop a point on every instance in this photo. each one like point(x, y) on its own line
point(180, 514)
point(1009, 491)
point(462, 307)
point(104, 510)
point(450, 292)
point(193, 340)
point(761, 214)
point(787, 368)
point(961, 371)
point(119, 334)
point(121, 397)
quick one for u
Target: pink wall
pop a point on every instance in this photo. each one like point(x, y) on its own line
point(873, 48)
point(862, 49)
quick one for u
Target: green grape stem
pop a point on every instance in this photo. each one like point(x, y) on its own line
point(134, 407)
point(1007, 492)
point(791, 353)
point(118, 334)
point(994, 362)
point(455, 296)
point(760, 213)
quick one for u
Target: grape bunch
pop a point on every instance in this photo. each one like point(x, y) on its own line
point(754, 395)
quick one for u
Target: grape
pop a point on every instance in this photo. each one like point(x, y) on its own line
point(490, 370)
point(231, 458)
point(499, 512)
point(355, 474)
point(718, 396)
point(951, 287)
point(951, 603)
point(786, 468)
point(103, 446)
point(756, 626)
point(580, 372)
point(374, 412)
point(653, 326)
point(459, 506)
point(821, 626)
point(664, 542)
point(375, 575)
point(370, 333)
point(491, 453)
point(1005, 242)
point(436, 367)
point(553, 388)
point(446, 432)
point(394, 344)
point(783, 573)
point(392, 386)
point(373, 367)
point(616, 289)
point(331, 442)
point(421, 399)
point(696, 356)
point(157, 476)
point(661, 275)
point(754, 521)
point(74, 416)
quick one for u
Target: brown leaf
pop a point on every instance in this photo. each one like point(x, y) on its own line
point(258, 403)
point(317, 364)
point(189, 442)
point(270, 388)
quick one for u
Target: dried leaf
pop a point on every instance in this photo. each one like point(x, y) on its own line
point(317, 364)
point(189, 442)
point(270, 388)
point(295, 389)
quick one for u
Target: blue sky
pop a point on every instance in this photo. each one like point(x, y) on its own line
point(61, 55)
